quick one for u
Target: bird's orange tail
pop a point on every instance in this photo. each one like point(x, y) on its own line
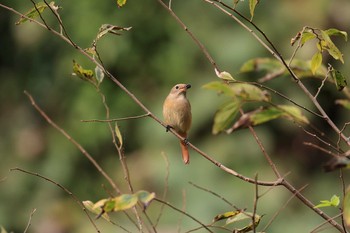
point(185, 153)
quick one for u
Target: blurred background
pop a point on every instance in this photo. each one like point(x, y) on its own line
point(149, 59)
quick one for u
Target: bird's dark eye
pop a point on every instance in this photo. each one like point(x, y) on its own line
point(176, 87)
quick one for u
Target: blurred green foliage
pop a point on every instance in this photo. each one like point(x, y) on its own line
point(149, 59)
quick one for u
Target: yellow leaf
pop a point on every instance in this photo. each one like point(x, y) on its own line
point(316, 62)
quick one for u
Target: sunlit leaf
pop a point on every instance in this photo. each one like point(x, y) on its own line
point(225, 116)
point(3, 230)
point(316, 62)
point(346, 207)
point(343, 102)
point(96, 208)
point(334, 201)
point(252, 5)
point(220, 87)
point(301, 68)
point(238, 216)
point(118, 134)
point(226, 76)
point(145, 197)
point(225, 215)
point(86, 75)
point(336, 32)
point(339, 79)
point(330, 47)
point(34, 12)
point(124, 202)
point(306, 36)
point(121, 3)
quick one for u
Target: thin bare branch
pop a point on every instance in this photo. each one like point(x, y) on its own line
point(75, 198)
point(29, 221)
point(75, 143)
point(184, 213)
point(118, 119)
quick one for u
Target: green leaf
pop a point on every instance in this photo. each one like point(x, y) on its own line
point(343, 102)
point(293, 113)
point(220, 87)
point(263, 115)
point(99, 74)
point(334, 201)
point(238, 216)
point(225, 215)
point(316, 62)
point(249, 92)
point(34, 12)
point(86, 75)
point(267, 65)
point(330, 47)
point(124, 202)
point(121, 3)
point(145, 197)
point(346, 207)
point(118, 134)
point(339, 79)
point(306, 36)
point(252, 5)
point(336, 32)
point(302, 69)
point(96, 208)
point(225, 116)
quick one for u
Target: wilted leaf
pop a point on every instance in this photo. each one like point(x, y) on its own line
point(220, 87)
point(34, 12)
point(334, 201)
point(118, 134)
point(145, 197)
point(330, 47)
point(99, 74)
point(336, 32)
point(346, 207)
point(109, 28)
point(306, 36)
point(121, 3)
point(343, 102)
point(225, 116)
point(339, 79)
point(86, 75)
point(252, 5)
point(316, 62)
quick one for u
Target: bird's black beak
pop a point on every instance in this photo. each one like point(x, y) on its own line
point(188, 86)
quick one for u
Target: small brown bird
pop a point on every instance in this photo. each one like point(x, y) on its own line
point(177, 115)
